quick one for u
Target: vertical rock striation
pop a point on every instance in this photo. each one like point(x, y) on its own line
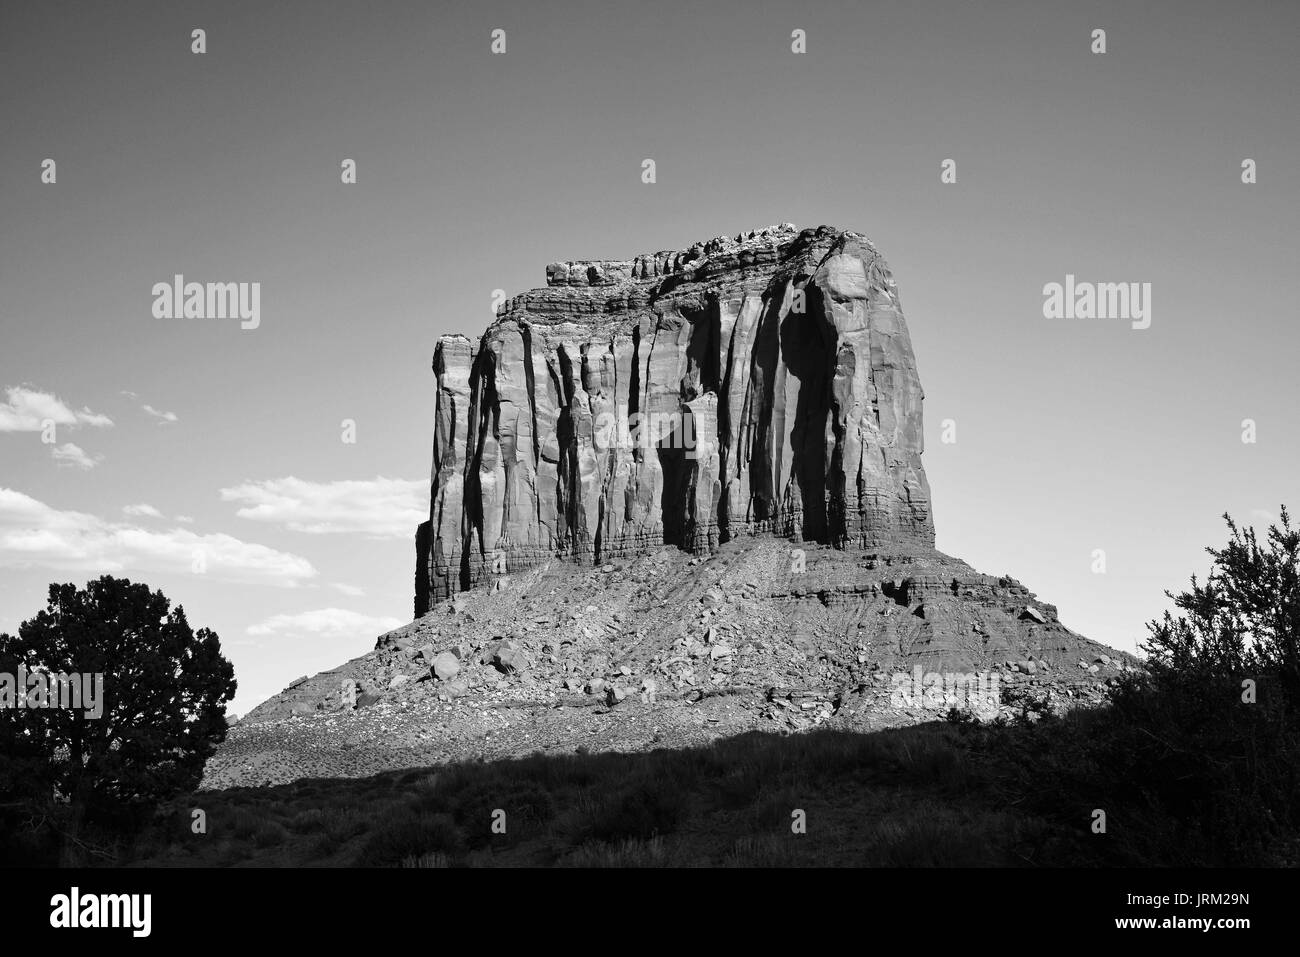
point(757, 385)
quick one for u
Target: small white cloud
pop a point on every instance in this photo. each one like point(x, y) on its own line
point(33, 534)
point(27, 410)
point(143, 511)
point(164, 418)
point(351, 590)
point(380, 507)
point(187, 519)
point(74, 456)
point(324, 623)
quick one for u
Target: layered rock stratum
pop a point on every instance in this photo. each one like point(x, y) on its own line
point(758, 385)
point(759, 557)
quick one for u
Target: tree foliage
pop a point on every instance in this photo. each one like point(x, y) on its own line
point(1245, 619)
point(165, 688)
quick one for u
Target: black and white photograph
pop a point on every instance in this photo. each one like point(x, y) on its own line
point(611, 438)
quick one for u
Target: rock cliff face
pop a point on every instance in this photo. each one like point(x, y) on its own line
point(757, 385)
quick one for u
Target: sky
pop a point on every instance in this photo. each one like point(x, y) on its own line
point(210, 460)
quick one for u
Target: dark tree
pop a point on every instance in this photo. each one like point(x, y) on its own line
point(1245, 619)
point(165, 689)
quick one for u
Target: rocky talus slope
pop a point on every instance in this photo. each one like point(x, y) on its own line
point(667, 650)
point(677, 497)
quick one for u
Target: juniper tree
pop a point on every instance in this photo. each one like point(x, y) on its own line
point(165, 688)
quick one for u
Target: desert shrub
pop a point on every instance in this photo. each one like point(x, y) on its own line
point(772, 807)
point(308, 821)
point(432, 859)
point(633, 852)
point(270, 834)
point(244, 823)
point(646, 807)
point(410, 836)
point(767, 850)
point(933, 836)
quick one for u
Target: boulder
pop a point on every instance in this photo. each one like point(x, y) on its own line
point(446, 666)
point(510, 658)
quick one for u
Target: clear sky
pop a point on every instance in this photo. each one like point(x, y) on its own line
point(475, 170)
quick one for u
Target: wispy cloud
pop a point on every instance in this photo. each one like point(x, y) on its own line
point(164, 418)
point(324, 623)
point(73, 455)
point(142, 511)
point(380, 507)
point(351, 590)
point(27, 410)
point(33, 534)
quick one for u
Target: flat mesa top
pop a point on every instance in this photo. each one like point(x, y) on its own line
point(584, 291)
point(651, 266)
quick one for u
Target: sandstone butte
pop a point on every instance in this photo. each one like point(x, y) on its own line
point(761, 556)
point(775, 388)
point(772, 379)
